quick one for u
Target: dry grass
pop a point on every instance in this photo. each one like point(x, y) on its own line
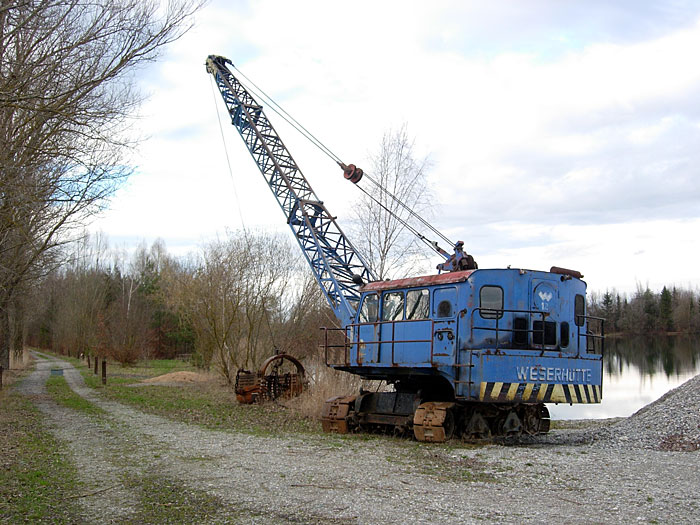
point(324, 383)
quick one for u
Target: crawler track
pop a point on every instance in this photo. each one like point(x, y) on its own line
point(432, 421)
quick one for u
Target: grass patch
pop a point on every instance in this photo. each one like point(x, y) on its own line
point(118, 374)
point(208, 404)
point(61, 393)
point(213, 407)
point(451, 461)
point(124, 374)
point(165, 500)
point(37, 483)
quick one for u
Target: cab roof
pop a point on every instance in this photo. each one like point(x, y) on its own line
point(414, 282)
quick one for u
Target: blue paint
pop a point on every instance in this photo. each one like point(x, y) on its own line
point(469, 338)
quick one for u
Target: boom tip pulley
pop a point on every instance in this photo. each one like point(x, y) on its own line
point(458, 261)
point(215, 61)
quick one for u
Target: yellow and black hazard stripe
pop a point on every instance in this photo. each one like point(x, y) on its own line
point(540, 392)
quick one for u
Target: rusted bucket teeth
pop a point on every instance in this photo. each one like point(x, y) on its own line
point(434, 422)
point(265, 386)
point(337, 414)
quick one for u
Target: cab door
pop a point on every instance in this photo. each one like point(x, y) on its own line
point(415, 332)
point(444, 325)
point(545, 299)
point(367, 330)
point(391, 328)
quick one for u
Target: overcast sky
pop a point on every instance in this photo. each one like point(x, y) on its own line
point(560, 133)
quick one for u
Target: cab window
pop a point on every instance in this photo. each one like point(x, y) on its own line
point(564, 334)
point(392, 306)
point(418, 304)
point(579, 310)
point(491, 302)
point(370, 309)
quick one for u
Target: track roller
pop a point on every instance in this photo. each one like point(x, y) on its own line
point(477, 428)
point(509, 424)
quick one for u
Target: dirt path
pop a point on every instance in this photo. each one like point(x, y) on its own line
point(93, 446)
point(328, 479)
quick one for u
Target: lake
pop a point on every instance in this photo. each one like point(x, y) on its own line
point(637, 371)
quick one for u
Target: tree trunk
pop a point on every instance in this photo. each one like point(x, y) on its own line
point(5, 337)
point(18, 329)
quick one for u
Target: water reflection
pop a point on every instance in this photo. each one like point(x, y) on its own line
point(636, 371)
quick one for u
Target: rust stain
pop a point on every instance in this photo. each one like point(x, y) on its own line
point(262, 386)
point(425, 280)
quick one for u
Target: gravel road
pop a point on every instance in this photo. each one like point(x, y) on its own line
point(613, 473)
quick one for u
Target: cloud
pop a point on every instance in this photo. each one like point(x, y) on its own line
point(607, 134)
point(553, 128)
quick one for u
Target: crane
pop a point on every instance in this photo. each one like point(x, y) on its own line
point(471, 352)
point(334, 261)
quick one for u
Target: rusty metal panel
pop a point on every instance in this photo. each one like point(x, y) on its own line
point(335, 414)
point(426, 280)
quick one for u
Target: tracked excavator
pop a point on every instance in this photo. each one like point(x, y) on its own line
point(468, 352)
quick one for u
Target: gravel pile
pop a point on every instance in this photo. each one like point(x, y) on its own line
point(672, 422)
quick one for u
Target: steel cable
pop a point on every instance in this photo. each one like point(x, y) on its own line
point(282, 113)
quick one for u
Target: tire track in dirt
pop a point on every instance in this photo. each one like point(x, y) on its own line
point(89, 446)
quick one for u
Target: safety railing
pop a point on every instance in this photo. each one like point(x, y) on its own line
point(497, 315)
point(594, 334)
point(335, 348)
point(345, 348)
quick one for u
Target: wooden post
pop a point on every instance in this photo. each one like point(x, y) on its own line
point(104, 371)
point(95, 365)
point(88, 358)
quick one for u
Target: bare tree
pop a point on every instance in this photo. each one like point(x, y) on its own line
point(381, 237)
point(300, 319)
point(124, 332)
point(67, 70)
point(79, 296)
point(230, 295)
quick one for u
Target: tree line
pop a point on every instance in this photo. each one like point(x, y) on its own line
point(67, 101)
point(67, 98)
point(672, 309)
point(229, 306)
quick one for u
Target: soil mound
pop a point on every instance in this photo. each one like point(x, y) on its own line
point(178, 377)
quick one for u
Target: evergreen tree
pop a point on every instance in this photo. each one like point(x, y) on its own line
point(607, 305)
point(618, 313)
point(651, 310)
point(666, 310)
